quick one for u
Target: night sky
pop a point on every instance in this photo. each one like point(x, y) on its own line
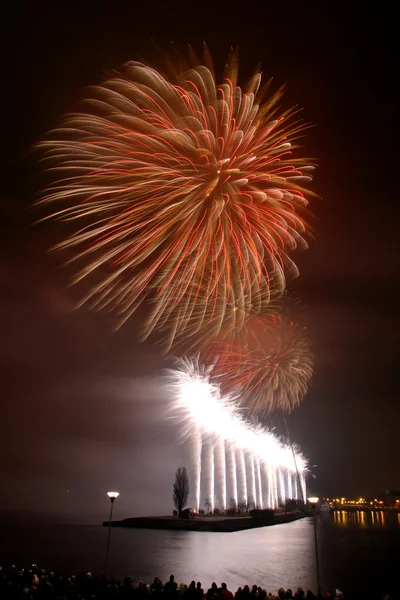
point(81, 405)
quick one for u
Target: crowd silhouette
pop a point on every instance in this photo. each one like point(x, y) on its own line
point(36, 583)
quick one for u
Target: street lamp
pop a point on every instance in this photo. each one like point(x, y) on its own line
point(313, 500)
point(112, 496)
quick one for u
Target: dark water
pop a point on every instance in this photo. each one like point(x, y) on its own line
point(359, 553)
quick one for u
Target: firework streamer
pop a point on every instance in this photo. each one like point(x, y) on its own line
point(273, 488)
point(289, 485)
point(207, 472)
point(266, 486)
point(259, 484)
point(233, 473)
point(295, 490)
point(197, 452)
point(252, 471)
point(276, 488)
point(242, 477)
point(281, 480)
point(220, 469)
point(302, 490)
point(270, 481)
point(211, 473)
point(303, 486)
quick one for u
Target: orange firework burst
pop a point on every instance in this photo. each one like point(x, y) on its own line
point(268, 363)
point(185, 195)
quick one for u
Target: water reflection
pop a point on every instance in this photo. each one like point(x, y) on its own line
point(362, 518)
point(340, 517)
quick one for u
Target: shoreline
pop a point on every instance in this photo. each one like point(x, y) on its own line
point(216, 524)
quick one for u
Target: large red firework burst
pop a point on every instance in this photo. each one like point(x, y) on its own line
point(180, 192)
point(268, 364)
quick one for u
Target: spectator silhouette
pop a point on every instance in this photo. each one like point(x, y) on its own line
point(169, 584)
point(226, 594)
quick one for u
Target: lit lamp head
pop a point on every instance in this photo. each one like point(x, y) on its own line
point(313, 500)
point(112, 495)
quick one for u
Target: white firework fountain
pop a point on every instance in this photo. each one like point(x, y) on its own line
point(231, 457)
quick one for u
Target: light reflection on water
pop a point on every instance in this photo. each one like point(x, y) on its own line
point(361, 518)
point(271, 557)
point(268, 556)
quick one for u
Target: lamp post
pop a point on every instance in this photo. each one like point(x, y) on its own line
point(314, 501)
point(112, 496)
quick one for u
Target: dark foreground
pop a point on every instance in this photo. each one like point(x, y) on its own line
point(217, 524)
point(42, 584)
point(359, 553)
